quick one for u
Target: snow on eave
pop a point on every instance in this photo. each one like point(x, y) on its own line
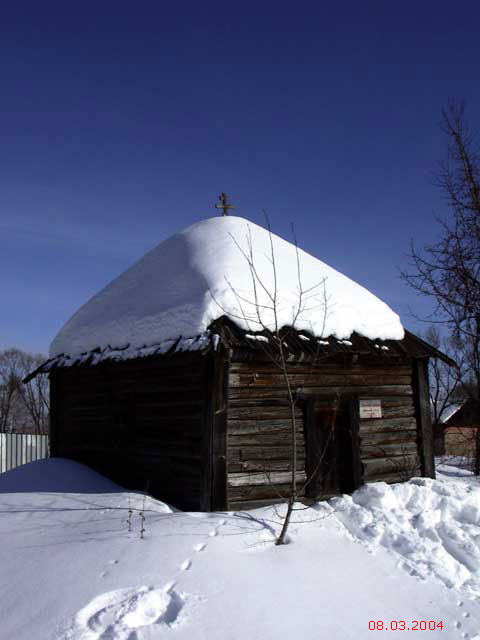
point(201, 343)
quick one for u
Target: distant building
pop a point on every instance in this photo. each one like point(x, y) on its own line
point(461, 430)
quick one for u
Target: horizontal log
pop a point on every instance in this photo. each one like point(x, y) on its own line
point(187, 447)
point(263, 465)
point(385, 425)
point(318, 379)
point(189, 464)
point(267, 403)
point(115, 383)
point(78, 425)
point(321, 367)
point(187, 450)
point(167, 450)
point(271, 478)
point(182, 445)
point(128, 449)
point(396, 477)
point(160, 422)
point(169, 399)
point(405, 411)
point(388, 438)
point(246, 427)
point(133, 369)
point(264, 439)
point(163, 413)
point(260, 492)
point(164, 473)
point(89, 413)
point(386, 450)
point(239, 407)
point(338, 359)
point(184, 487)
point(86, 400)
point(392, 401)
point(243, 505)
point(236, 393)
point(248, 453)
point(261, 413)
point(400, 464)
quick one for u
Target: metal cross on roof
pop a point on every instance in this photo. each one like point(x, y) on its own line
point(224, 204)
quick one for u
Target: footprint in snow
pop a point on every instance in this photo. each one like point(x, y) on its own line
point(214, 532)
point(199, 547)
point(117, 614)
point(186, 565)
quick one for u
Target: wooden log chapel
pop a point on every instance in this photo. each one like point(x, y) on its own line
point(156, 382)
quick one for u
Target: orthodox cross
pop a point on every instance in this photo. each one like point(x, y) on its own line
point(224, 204)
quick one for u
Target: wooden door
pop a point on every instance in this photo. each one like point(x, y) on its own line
point(333, 457)
point(321, 436)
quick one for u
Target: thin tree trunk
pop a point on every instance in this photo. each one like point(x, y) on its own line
point(286, 522)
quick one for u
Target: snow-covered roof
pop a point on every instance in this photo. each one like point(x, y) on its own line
point(202, 273)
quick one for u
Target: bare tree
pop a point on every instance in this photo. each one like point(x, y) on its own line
point(35, 393)
point(261, 313)
point(22, 406)
point(443, 384)
point(448, 271)
point(9, 385)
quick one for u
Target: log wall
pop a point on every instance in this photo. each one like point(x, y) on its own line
point(136, 422)
point(258, 428)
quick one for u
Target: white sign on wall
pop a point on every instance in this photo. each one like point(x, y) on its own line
point(370, 409)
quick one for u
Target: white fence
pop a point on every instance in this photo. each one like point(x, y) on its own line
point(20, 448)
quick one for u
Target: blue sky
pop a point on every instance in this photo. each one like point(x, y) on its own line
point(120, 124)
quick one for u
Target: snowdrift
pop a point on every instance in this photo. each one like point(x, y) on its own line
point(56, 475)
point(432, 526)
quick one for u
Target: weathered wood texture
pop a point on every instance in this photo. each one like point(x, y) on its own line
point(137, 423)
point(259, 426)
point(207, 433)
point(259, 451)
point(423, 414)
point(321, 418)
point(218, 428)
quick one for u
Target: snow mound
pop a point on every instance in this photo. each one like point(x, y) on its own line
point(55, 475)
point(432, 525)
point(201, 274)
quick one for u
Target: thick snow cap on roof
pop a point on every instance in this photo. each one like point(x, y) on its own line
point(202, 273)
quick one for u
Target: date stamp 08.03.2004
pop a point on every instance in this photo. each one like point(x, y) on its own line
point(404, 625)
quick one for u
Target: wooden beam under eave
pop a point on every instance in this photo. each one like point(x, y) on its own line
point(53, 417)
point(423, 415)
point(214, 485)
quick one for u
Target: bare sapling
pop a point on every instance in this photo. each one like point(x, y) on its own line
point(141, 513)
point(260, 312)
point(130, 514)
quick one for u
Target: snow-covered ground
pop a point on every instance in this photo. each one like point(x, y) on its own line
point(70, 568)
